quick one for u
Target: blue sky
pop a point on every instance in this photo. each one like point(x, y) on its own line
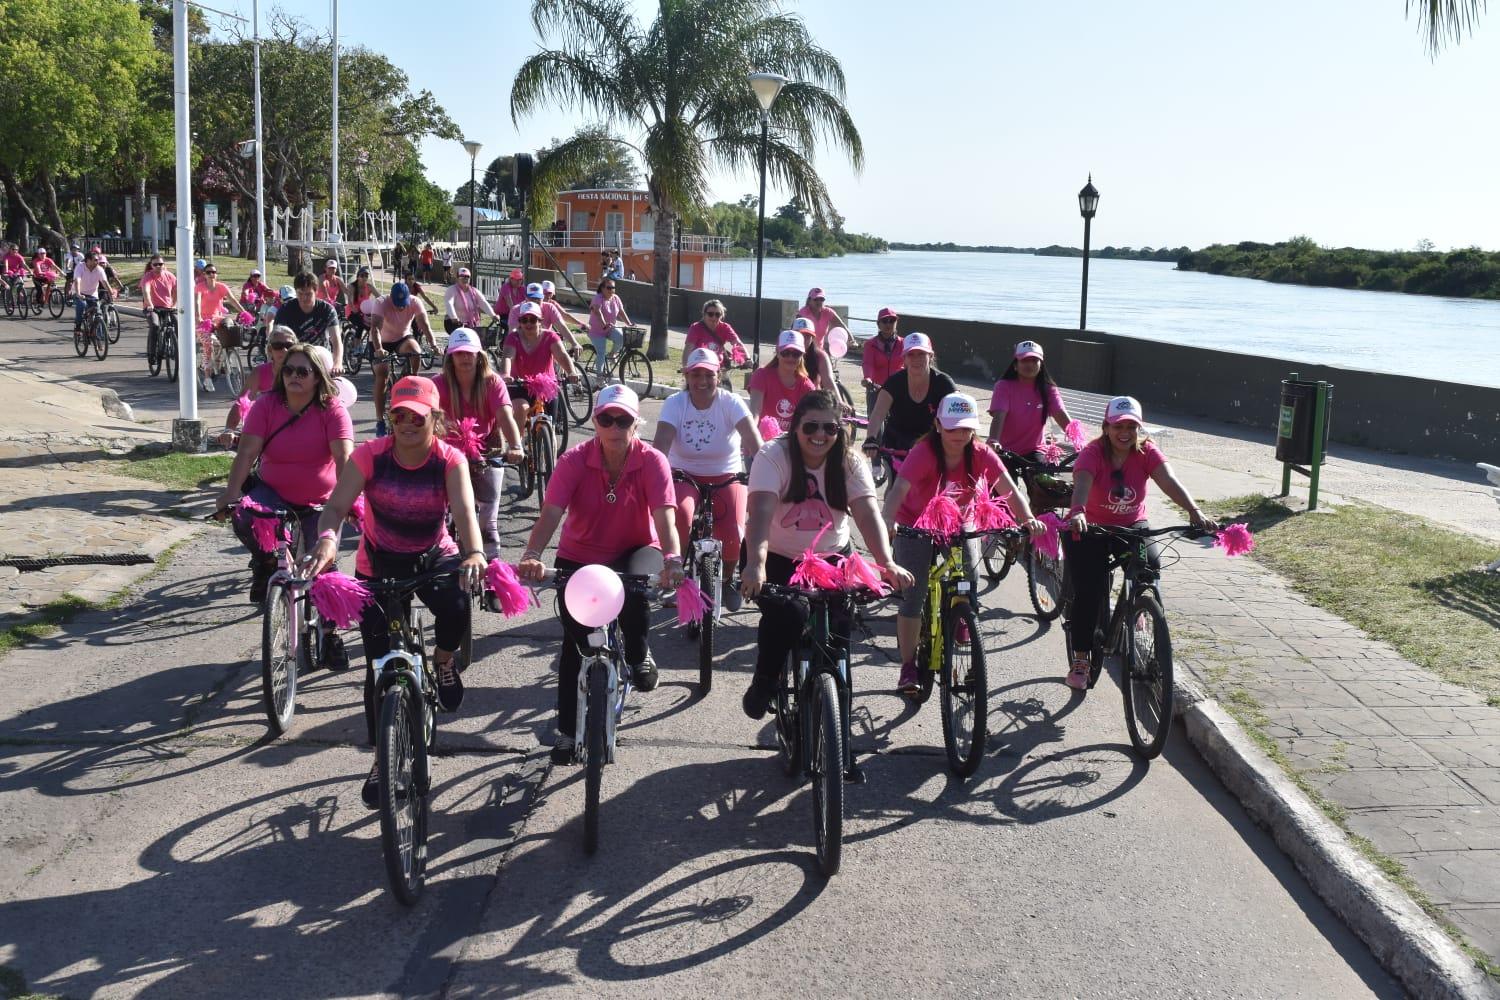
point(1201, 122)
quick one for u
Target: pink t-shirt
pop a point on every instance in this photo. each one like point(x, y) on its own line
point(823, 320)
point(1118, 500)
point(553, 317)
point(15, 263)
point(597, 531)
point(878, 364)
point(921, 470)
point(604, 313)
point(531, 360)
point(406, 508)
point(329, 289)
point(211, 300)
point(160, 290)
point(298, 462)
point(776, 399)
point(510, 295)
point(493, 398)
point(396, 321)
point(720, 339)
point(1025, 417)
point(357, 298)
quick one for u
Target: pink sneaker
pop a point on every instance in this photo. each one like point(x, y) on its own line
point(1078, 673)
point(907, 684)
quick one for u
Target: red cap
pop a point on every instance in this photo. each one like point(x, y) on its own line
point(517, 275)
point(887, 312)
point(416, 393)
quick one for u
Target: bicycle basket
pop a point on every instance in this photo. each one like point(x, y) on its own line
point(635, 336)
point(229, 337)
point(1046, 493)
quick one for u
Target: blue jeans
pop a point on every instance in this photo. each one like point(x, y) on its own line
point(611, 338)
point(79, 303)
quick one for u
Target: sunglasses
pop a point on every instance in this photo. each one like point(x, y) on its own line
point(280, 345)
point(789, 354)
point(210, 271)
point(154, 263)
point(713, 315)
point(811, 427)
point(296, 371)
point(1117, 494)
point(607, 288)
point(615, 420)
point(888, 319)
point(405, 415)
point(529, 319)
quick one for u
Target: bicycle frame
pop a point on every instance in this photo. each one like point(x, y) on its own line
point(814, 657)
point(947, 585)
point(604, 648)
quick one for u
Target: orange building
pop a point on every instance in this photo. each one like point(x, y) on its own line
point(593, 220)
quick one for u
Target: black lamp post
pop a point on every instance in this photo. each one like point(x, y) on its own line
point(472, 148)
point(1088, 204)
point(766, 87)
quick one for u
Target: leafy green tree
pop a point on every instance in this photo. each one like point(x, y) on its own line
point(674, 93)
point(417, 201)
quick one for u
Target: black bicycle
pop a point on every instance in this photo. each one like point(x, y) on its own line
point(1046, 490)
point(110, 313)
point(161, 344)
point(401, 709)
point(812, 714)
point(705, 565)
point(93, 331)
point(628, 366)
point(15, 295)
point(1136, 632)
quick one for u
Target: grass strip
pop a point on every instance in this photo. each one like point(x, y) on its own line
point(1401, 578)
point(176, 470)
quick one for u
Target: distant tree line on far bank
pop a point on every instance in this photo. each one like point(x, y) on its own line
point(1469, 273)
point(1103, 253)
point(792, 231)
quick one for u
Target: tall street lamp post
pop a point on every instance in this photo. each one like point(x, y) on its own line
point(1088, 204)
point(766, 86)
point(473, 150)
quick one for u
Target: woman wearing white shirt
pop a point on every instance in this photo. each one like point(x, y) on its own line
point(703, 430)
point(465, 305)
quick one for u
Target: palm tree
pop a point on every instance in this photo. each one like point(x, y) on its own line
point(675, 93)
point(1446, 20)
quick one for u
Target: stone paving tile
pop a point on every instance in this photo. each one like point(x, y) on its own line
point(1413, 830)
point(1485, 781)
point(1357, 668)
point(1476, 722)
point(1386, 786)
point(1471, 877)
point(1480, 924)
point(1460, 752)
point(1356, 751)
point(1416, 692)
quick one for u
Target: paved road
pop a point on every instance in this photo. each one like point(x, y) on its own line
point(156, 844)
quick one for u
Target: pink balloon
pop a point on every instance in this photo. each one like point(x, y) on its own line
point(838, 342)
point(347, 393)
point(594, 596)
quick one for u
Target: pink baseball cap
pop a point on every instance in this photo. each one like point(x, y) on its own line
point(917, 342)
point(702, 358)
point(517, 275)
point(415, 393)
point(1029, 349)
point(887, 312)
point(618, 397)
point(815, 293)
point(790, 340)
point(1123, 408)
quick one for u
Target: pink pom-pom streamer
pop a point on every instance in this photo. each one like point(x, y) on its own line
point(340, 598)
point(737, 354)
point(542, 386)
point(464, 435)
point(1235, 540)
point(514, 597)
point(858, 573)
point(941, 516)
point(769, 428)
point(265, 529)
point(986, 511)
point(1076, 434)
point(1048, 543)
point(242, 409)
point(692, 604)
point(814, 571)
point(246, 317)
point(205, 326)
point(1051, 453)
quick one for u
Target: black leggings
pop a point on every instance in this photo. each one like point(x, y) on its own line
point(1085, 562)
point(445, 598)
point(635, 622)
point(782, 620)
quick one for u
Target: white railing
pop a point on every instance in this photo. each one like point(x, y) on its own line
point(595, 239)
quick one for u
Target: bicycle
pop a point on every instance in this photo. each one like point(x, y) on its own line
point(398, 366)
point(885, 464)
point(292, 633)
point(1045, 575)
point(224, 358)
point(578, 396)
point(812, 715)
point(706, 565)
point(161, 344)
point(15, 294)
point(940, 657)
point(603, 688)
point(1145, 647)
point(542, 439)
point(403, 684)
point(93, 330)
point(110, 313)
point(56, 302)
point(357, 346)
point(628, 365)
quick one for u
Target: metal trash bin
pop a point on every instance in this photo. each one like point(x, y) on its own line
point(1294, 431)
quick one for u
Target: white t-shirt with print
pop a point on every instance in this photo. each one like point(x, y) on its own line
point(795, 525)
point(707, 443)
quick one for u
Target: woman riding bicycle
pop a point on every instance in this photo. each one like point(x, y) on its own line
point(906, 404)
point(713, 332)
point(480, 394)
point(464, 305)
point(777, 388)
point(331, 287)
point(606, 315)
point(261, 381)
point(819, 369)
point(214, 301)
point(397, 316)
point(44, 274)
point(880, 357)
point(1023, 400)
point(703, 430)
point(254, 292)
point(617, 493)
point(411, 481)
point(555, 318)
point(362, 291)
point(1111, 474)
point(948, 459)
point(805, 487)
point(530, 352)
point(301, 436)
point(822, 317)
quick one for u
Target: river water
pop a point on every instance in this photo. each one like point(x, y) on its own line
point(1453, 340)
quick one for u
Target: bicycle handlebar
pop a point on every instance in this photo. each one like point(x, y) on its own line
point(678, 476)
point(1186, 530)
point(933, 536)
point(1066, 465)
point(862, 595)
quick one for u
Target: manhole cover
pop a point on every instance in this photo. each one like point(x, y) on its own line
point(29, 565)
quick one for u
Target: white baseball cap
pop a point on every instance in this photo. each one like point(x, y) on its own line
point(529, 309)
point(958, 410)
point(702, 358)
point(548, 288)
point(534, 290)
point(463, 272)
point(917, 342)
point(618, 397)
point(1123, 408)
point(1029, 349)
point(790, 339)
point(463, 340)
point(254, 271)
point(803, 324)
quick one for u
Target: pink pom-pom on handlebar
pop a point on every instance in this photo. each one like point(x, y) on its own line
point(513, 596)
point(1048, 543)
point(769, 428)
point(1235, 540)
point(941, 516)
point(692, 603)
point(1076, 434)
point(543, 386)
point(340, 598)
point(246, 318)
point(813, 570)
point(464, 435)
point(205, 326)
point(859, 573)
point(737, 355)
point(1051, 453)
point(987, 511)
point(262, 526)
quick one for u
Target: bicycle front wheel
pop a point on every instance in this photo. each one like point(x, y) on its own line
point(169, 354)
point(578, 397)
point(234, 371)
point(709, 570)
point(541, 448)
point(828, 775)
point(594, 750)
point(788, 724)
point(1044, 579)
point(403, 807)
point(965, 692)
point(354, 357)
point(112, 321)
point(992, 554)
point(101, 338)
point(55, 303)
point(635, 371)
point(1147, 677)
point(278, 660)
